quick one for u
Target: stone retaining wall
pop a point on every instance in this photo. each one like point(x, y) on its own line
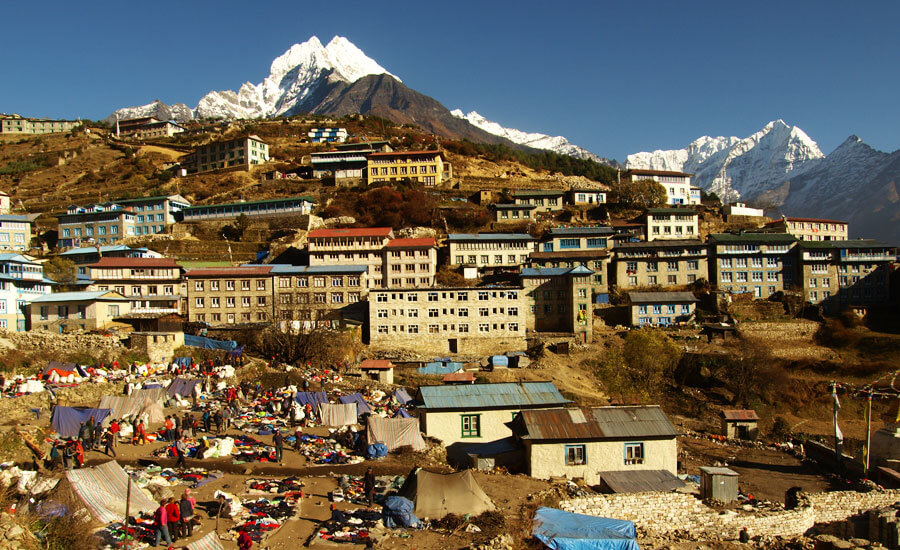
point(662, 513)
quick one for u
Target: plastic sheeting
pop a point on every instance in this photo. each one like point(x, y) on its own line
point(398, 512)
point(561, 530)
point(335, 415)
point(208, 343)
point(209, 542)
point(184, 362)
point(67, 420)
point(121, 406)
point(313, 398)
point(103, 490)
point(436, 495)
point(183, 387)
point(394, 432)
point(401, 395)
point(357, 398)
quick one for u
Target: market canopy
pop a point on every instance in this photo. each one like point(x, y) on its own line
point(335, 415)
point(121, 406)
point(436, 495)
point(357, 398)
point(66, 421)
point(561, 530)
point(312, 398)
point(104, 488)
point(183, 387)
point(401, 395)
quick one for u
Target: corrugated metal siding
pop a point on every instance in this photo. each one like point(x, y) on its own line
point(738, 414)
point(490, 395)
point(601, 423)
point(633, 421)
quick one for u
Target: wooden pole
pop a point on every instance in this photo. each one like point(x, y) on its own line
point(127, 508)
point(869, 433)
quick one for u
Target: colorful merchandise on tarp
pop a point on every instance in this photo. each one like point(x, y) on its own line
point(561, 530)
point(66, 421)
point(401, 396)
point(351, 526)
point(104, 488)
point(394, 432)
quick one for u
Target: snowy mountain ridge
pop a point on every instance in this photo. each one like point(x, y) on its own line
point(736, 168)
point(535, 140)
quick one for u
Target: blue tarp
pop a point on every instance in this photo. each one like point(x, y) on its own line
point(440, 368)
point(67, 420)
point(361, 406)
point(183, 387)
point(208, 343)
point(236, 352)
point(311, 397)
point(401, 413)
point(500, 360)
point(182, 361)
point(398, 512)
point(402, 396)
point(376, 450)
point(602, 298)
point(561, 530)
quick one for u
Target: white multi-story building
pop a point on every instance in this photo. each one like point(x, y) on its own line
point(490, 250)
point(21, 280)
point(672, 223)
point(677, 184)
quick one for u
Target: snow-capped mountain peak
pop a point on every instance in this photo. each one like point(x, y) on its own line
point(535, 140)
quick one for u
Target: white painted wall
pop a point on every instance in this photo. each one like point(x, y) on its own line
point(549, 459)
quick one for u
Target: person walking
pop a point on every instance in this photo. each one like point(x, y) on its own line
point(186, 507)
point(279, 445)
point(79, 454)
point(369, 486)
point(206, 420)
point(141, 433)
point(54, 456)
point(114, 429)
point(161, 525)
point(217, 418)
point(108, 445)
point(88, 440)
point(170, 429)
point(68, 455)
point(180, 452)
point(173, 514)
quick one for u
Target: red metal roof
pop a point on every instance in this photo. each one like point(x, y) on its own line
point(229, 271)
point(740, 414)
point(460, 376)
point(382, 364)
point(411, 243)
point(134, 262)
point(351, 232)
point(407, 153)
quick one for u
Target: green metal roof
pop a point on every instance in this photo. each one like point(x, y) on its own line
point(752, 238)
point(199, 206)
point(681, 211)
point(856, 243)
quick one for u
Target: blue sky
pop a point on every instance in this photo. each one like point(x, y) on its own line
point(614, 78)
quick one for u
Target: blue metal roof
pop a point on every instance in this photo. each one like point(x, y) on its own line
point(12, 218)
point(490, 237)
point(599, 230)
point(490, 396)
point(313, 269)
point(93, 249)
point(555, 271)
point(15, 257)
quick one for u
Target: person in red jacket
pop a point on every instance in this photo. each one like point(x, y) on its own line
point(173, 514)
point(244, 541)
point(161, 524)
point(79, 453)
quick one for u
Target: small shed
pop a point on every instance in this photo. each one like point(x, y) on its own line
point(460, 377)
point(718, 483)
point(740, 423)
point(380, 370)
point(469, 272)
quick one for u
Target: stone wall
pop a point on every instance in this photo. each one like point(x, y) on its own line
point(664, 513)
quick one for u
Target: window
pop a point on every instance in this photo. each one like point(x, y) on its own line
point(229, 285)
point(484, 327)
point(725, 262)
point(463, 327)
point(214, 285)
point(513, 327)
point(434, 329)
point(229, 301)
point(198, 286)
point(382, 329)
point(484, 296)
point(214, 301)
point(245, 301)
point(412, 329)
point(260, 284)
point(596, 243)
point(569, 243)
point(634, 453)
point(381, 298)
point(575, 455)
point(726, 277)
point(432, 296)
point(470, 425)
point(463, 312)
point(381, 314)
point(672, 266)
point(433, 312)
point(483, 312)
point(245, 284)
point(337, 297)
point(113, 311)
point(412, 313)
point(693, 265)
point(198, 302)
point(513, 311)
point(320, 298)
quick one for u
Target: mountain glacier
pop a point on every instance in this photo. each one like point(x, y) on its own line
point(557, 144)
point(736, 168)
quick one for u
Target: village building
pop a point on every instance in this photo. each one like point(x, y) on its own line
point(758, 263)
point(662, 263)
point(230, 295)
point(379, 370)
point(568, 247)
point(16, 124)
point(480, 320)
point(582, 196)
point(741, 210)
point(672, 223)
point(380, 146)
point(321, 296)
point(159, 347)
point(155, 214)
point(15, 232)
point(340, 165)
point(559, 301)
point(466, 416)
point(152, 284)
point(99, 224)
point(84, 255)
point(845, 274)
point(629, 229)
point(513, 212)
point(679, 190)
point(68, 311)
point(739, 423)
point(429, 168)
point(327, 135)
point(543, 200)
point(147, 127)
point(590, 443)
point(396, 263)
point(291, 206)
point(239, 153)
point(490, 250)
point(811, 229)
point(661, 309)
point(4, 202)
point(21, 280)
